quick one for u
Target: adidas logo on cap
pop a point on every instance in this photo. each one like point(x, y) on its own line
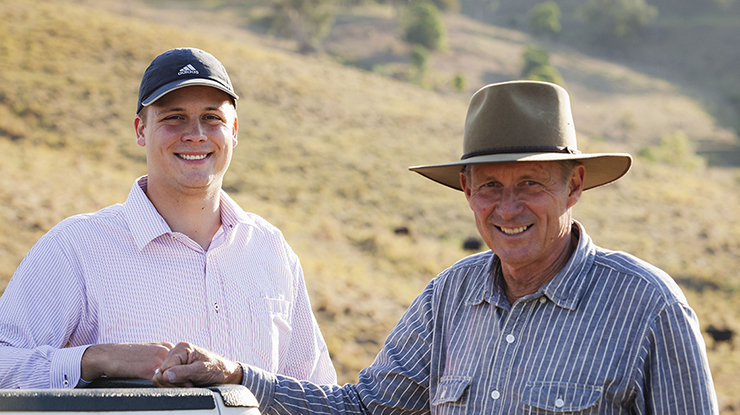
point(188, 70)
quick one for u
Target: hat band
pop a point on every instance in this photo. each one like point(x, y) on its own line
point(510, 150)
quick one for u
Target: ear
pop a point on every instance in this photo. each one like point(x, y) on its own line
point(575, 184)
point(465, 185)
point(235, 129)
point(139, 129)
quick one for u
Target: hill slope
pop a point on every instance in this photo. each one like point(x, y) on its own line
point(323, 155)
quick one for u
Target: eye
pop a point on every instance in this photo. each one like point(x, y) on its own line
point(213, 117)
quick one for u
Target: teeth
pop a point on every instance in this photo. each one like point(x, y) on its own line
point(513, 231)
point(193, 156)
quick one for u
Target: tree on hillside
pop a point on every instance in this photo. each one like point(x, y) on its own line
point(544, 18)
point(419, 59)
point(616, 21)
point(307, 21)
point(423, 25)
point(537, 66)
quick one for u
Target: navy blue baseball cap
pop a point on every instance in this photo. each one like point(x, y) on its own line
point(178, 68)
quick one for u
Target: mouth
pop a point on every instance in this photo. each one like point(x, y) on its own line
point(192, 157)
point(513, 231)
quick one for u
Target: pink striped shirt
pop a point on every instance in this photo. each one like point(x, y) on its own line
point(121, 275)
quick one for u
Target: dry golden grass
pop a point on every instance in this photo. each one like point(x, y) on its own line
point(323, 154)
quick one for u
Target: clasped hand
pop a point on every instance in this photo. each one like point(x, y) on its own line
point(187, 365)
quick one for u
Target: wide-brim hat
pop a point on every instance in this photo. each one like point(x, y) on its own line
point(522, 121)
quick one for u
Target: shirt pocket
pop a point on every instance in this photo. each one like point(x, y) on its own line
point(560, 397)
point(272, 330)
point(450, 396)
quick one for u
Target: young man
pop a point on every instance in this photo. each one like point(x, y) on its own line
point(109, 293)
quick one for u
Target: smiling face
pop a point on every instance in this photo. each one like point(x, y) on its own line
point(523, 212)
point(189, 135)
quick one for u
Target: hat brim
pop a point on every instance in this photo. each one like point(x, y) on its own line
point(167, 88)
point(601, 168)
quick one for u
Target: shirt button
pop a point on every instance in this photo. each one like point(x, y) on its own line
point(510, 338)
point(495, 394)
point(215, 305)
point(543, 300)
point(559, 403)
point(65, 383)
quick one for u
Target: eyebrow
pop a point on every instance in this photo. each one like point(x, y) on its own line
point(165, 110)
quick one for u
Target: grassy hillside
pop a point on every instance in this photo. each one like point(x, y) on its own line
point(323, 155)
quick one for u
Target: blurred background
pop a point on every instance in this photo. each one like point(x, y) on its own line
point(340, 97)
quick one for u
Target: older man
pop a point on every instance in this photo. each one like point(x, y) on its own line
point(109, 293)
point(544, 322)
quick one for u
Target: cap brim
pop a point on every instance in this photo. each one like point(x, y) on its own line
point(601, 168)
point(167, 88)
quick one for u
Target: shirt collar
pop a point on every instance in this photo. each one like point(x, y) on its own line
point(487, 288)
point(564, 289)
point(147, 224)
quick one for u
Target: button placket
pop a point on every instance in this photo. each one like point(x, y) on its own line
point(513, 324)
point(215, 297)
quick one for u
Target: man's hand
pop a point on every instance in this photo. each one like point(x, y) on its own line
point(124, 360)
point(188, 365)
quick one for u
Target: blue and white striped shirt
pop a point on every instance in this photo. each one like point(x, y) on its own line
point(610, 334)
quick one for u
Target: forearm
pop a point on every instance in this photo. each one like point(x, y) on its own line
point(282, 395)
point(123, 360)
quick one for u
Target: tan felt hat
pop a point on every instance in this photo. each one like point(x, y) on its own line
point(524, 121)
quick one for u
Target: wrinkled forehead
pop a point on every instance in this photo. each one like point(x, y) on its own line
point(515, 169)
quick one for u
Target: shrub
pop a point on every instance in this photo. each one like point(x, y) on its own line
point(615, 21)
point(459, 82)
point(544, 18)
point(423, 25)
point(537, 66)
point(675, 150)
point(419, 58)
point(308, 21)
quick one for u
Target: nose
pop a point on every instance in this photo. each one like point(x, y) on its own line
point(195, 131)
point(508, 205)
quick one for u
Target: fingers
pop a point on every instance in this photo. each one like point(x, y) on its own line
point(167, 373)
point(178, 355)
point(188, 365)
